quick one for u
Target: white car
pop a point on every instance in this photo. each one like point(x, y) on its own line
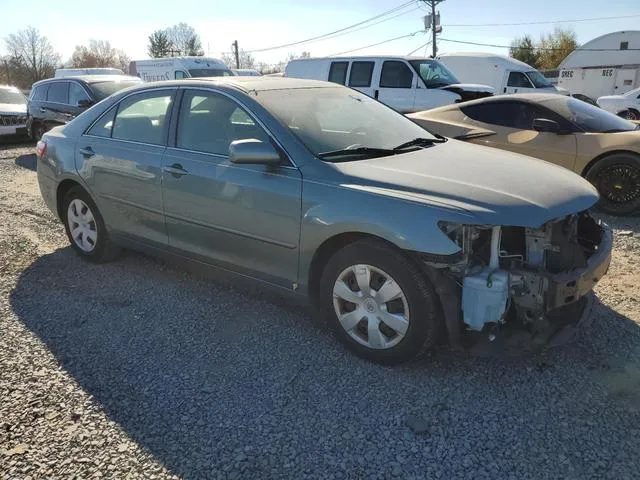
point(13, 111)
point(626, 105)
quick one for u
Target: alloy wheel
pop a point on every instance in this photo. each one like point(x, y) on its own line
point(371, 306)
point(619, 183)
point(82, 225)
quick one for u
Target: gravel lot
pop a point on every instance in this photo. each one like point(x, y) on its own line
point(139, 370)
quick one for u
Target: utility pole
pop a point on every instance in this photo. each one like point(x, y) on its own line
point(435, 23)
point(235, 50)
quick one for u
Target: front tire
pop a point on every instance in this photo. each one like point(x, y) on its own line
point(85, 227)
point(381, 306)
point(617, 178)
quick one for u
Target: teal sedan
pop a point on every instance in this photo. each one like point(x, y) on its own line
point(396, 235)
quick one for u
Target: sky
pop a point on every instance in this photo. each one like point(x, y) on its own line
point(258, 24)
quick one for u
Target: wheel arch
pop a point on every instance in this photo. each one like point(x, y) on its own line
point(63, 187)
point(326, 250)
point(604, 155)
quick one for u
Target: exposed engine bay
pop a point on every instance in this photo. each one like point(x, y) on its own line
point(516, 274)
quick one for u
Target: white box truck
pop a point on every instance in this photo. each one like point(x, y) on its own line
point(504, 74)
point(158, 69)
point(406, 84)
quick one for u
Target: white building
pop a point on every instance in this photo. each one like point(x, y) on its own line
point(607, 65)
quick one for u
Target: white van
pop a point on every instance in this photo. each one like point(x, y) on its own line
point(407, 84)
point(504, 74)
point(70, 72)
point(157, 69)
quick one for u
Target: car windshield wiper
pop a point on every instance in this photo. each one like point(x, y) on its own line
point(419, 142)
point(360, 151)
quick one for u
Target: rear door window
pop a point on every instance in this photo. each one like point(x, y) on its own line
point(338, 72)
point(143, 117)
point(77, 93)
point(58, 92)
point(396, 74)
point(361, 74)
point(519, 80)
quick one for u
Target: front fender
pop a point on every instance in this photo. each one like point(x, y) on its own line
point(406, 224)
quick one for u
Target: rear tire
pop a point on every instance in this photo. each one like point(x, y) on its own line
point(38, 129)
point(85, 227)
point(617, 178)
point(386, 332)
point(630, 114)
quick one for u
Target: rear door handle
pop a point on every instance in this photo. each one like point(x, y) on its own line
point(43, 110)
point(376, 93)
point(176, 170)
point(87, 152)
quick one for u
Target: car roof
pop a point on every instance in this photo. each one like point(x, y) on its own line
point(89, 78)
point(10, 87)
point(245, 84)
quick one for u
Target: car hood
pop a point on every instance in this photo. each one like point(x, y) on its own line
point(496, 187)
point(13, 108)
point(469, 87)
point(612, 98)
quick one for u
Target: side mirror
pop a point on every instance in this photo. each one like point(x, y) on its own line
point(84, 103)
point(252, 151)
point(546, 125)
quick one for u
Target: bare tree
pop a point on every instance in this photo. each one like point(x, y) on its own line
point(184, 38)
point(246, 59)
point(33, 52)
point(99, 53)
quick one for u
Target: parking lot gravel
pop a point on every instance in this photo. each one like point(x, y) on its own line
point(137, 369)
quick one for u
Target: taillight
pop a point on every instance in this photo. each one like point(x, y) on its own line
point(41, 148)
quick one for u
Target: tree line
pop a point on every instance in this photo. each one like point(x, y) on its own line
point(31, 57)
point(548, 52)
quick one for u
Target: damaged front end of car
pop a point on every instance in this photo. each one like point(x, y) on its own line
point(520, 277)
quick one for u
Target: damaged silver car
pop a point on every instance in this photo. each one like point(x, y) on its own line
point(396, 235)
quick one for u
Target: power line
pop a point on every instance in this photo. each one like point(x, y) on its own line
point(423, 45)
point(539, 48)
point(376, 44)
point(539, 23)
point(318, 37)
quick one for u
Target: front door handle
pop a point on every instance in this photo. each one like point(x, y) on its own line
point(43, 110)
point(376, 93)
point(176, 170)
point(87, 152)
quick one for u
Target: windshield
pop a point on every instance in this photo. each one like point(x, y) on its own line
point(102, 90)
point(210, 72)
point(433, 73)
point(12, 96)
point(538, 79)
point(328, 119)
point(589, 118)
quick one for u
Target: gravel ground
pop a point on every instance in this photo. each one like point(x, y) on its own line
point(138, 370)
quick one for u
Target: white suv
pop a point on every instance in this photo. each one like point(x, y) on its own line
point(13, 111)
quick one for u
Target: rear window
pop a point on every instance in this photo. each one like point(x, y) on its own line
point(338, 72)
point(58, 92)
point(102, 90)
point(361, 74)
